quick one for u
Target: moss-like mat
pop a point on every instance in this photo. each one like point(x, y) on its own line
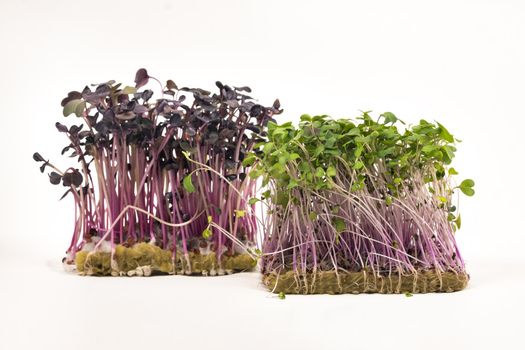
point(330, 282)
point(145, 259)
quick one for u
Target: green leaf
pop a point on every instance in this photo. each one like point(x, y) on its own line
point(319, 172)
point(128, 90)
point(206, 233)
point(386, 151)
point(358, 151)
point(306, 118)
point(452, 171)
point(210, 219)
point(71, 107)
point(284, 158)
point(466, 187)
point(293, 183)
point(312, 216)
point(358, 165)
point(449, 150)
point(331, 171)
point(458, 221)
point(80, 109)
point(282, 296)
point(253, 200)
point(467, 183)
point(339, 224)
point(353, 132)
point(389, 117)
point(294, 156)
point(469, 191)
point(445, 135)
point(319, 150)
point(429, 148)
point(442, 199)
point(388, 200)
point(187, 184)
point(239, 213)
point(256, 172)
point(408, 294)
point(248, 161)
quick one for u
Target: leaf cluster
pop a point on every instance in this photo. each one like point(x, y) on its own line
point(226, 123)
point(380, 154)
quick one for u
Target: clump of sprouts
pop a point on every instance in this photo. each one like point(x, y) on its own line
point(356, 206)
point(167, 171)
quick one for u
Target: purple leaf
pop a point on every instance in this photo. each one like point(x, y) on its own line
point(141, 78)
point(38, 158)
point(61, 127)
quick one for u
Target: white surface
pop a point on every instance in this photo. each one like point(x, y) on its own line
point(46, 308)
point(460, 62)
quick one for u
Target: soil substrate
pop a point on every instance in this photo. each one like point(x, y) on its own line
point(145, 259)
point(340, 282)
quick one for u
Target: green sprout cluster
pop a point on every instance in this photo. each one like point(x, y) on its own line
point(372, 194)
point(375, 152)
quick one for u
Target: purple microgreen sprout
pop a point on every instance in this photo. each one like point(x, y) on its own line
point(169, 171)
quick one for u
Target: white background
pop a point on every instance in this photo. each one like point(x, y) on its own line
point(459, 62)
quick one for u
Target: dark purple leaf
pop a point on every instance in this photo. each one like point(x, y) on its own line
point(126, 116)
point(141, 78)
point(231, 177)
point(73, 95)
point(232, 103)
point(73, 178)
point(84, 134)
point(176, 120)
point(253, 128)
point(75, 129)
point(146, 95)
point(55, 178)
point(77, 178)
point(61, 127)
point(190, 131)
point(128, 106)
point(243, 88)
point(103, 90)
point(38, 158)
point(230, 164)
point(140, 109)
point(171, 165)
point(170, 84)
point(212, 138)
point(256, 111)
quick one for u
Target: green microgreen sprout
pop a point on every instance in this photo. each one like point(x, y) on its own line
point(372, 194)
